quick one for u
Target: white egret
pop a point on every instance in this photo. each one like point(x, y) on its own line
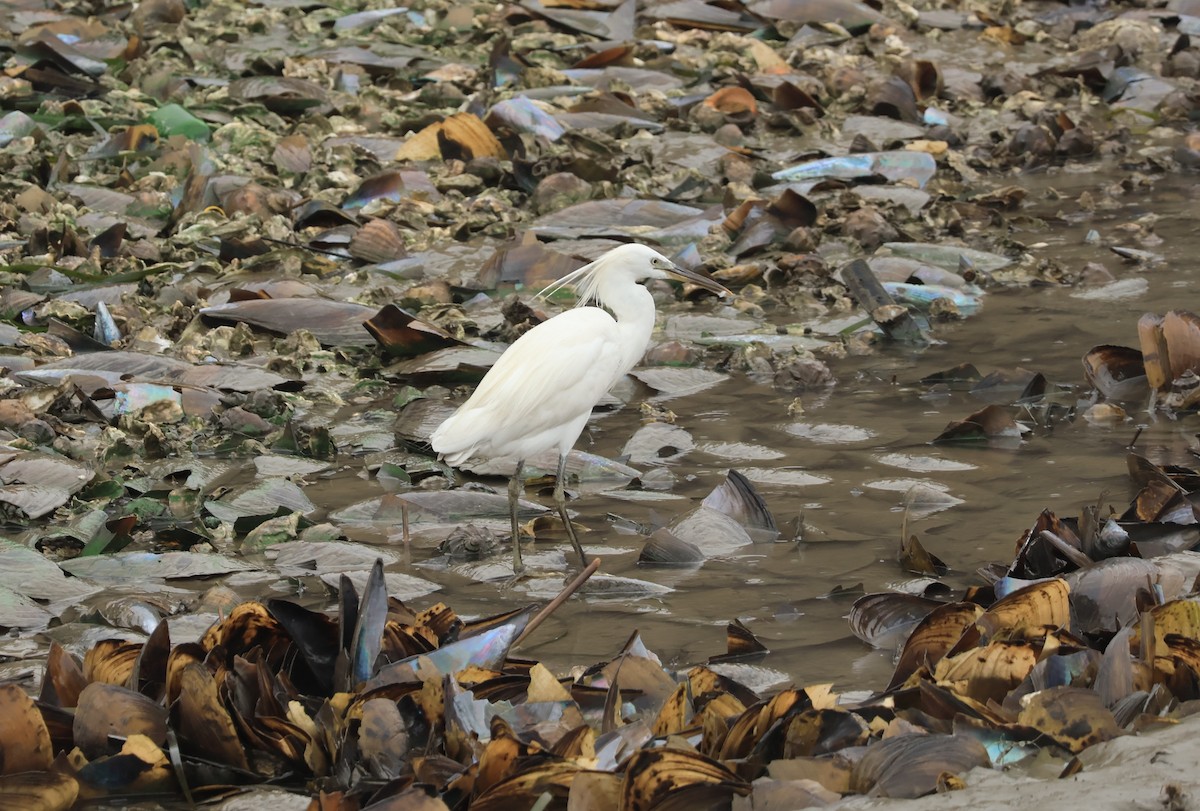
point(541, 391)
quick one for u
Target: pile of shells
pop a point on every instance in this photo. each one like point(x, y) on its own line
point(1089, 632)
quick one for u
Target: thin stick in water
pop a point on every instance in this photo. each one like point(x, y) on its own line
point(567, 591)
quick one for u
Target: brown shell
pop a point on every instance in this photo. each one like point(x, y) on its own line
point(737, 103)
point(377, 241)
point(463, 135)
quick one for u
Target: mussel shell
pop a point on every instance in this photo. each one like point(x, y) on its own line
point(895, 98)
point(1117, 372)
point(884, 619)
point(912, 766)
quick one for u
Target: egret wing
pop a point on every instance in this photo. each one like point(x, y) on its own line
point(543, 384)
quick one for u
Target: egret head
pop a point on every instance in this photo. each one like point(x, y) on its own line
point(634, 262)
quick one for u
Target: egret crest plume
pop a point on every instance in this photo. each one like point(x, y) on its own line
point(585, 280)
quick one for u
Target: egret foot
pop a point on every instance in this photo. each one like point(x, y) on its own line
point(510, 583)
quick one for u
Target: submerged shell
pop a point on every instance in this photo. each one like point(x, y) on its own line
point(884, 620)
point(737, 498)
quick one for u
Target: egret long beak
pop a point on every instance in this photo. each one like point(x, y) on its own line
point(685, 275)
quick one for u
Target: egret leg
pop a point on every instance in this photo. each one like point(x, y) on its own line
point(560, 501)
point(514, 491)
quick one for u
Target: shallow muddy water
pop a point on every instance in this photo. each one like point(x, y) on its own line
point(853, 516)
